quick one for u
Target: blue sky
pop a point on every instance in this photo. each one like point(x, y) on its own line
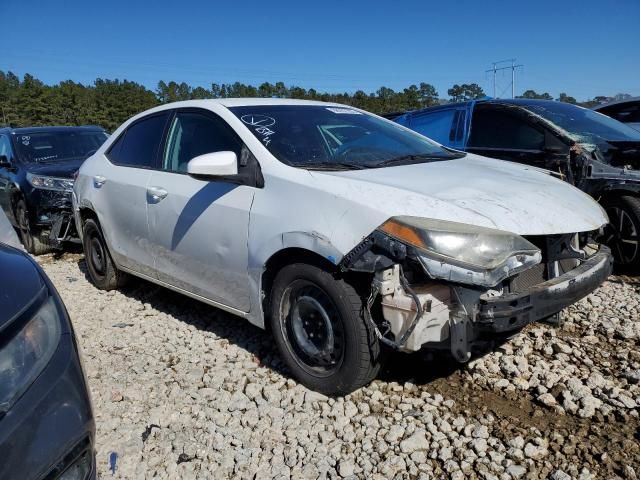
point(584, 48)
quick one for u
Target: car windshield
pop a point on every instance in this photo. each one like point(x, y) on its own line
point(42, 147)
point(587, 125)
point(332, 137)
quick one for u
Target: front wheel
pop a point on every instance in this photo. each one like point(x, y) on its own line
point(318, 324)
point(622, 234)
point(30, 240)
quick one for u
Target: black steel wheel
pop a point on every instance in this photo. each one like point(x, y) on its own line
point(102, 270)
point(318, 324)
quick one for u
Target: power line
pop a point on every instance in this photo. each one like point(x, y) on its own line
point(495, 69)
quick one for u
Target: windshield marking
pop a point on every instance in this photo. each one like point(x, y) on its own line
point(261, 124)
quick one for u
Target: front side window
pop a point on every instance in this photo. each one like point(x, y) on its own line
point(44, 147)
point(331, 137)
point(138, 145)
point(497, 128)
point(193, 134)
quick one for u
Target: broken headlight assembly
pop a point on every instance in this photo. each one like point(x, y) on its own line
point(50, 183)
point(26, 350)
point(463, 253)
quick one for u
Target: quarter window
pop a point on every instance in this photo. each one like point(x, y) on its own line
point(436, 125)
point(193, 134)
point(500, 129)
point(138, 145)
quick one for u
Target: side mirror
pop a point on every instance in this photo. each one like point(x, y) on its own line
point(4, 162)
point(216, 164)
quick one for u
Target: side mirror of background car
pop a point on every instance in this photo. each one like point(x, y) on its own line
point(216, 164)
point(4, 162)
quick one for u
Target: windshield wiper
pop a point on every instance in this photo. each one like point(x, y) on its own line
point(332, 166)
point(409, 159)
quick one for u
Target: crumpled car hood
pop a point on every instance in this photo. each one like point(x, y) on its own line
point(474, 190)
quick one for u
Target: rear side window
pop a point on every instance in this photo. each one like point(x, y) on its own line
point(436, 125)
point(500, 129)
point(193, 134)
point(138, 145)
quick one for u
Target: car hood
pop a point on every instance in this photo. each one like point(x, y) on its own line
point(473, 190)
point(64, 169)
point(18, 289)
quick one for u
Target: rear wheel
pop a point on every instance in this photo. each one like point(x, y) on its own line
point(102, 270)
point(622, 234)
point(318, 324)
point(31, 241)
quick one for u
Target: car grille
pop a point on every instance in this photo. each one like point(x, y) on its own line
point(538, 274)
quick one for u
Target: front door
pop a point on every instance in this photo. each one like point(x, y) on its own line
point(198, 229)
point(497, 132)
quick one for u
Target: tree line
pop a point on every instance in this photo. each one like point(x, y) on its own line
point(108, 103)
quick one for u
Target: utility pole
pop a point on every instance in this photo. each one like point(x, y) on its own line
point(495, 70)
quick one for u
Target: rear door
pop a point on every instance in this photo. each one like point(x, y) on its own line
point(501, 132)
point(120, 192)
point(199, 228)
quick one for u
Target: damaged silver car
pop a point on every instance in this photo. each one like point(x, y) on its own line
point(339, 231)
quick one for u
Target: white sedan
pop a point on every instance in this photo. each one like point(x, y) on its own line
point(341, 232)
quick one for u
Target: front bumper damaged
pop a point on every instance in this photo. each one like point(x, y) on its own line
point(460, 318)
point(512, 311)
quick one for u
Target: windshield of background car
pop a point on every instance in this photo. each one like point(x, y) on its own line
point(43, 147)
point(589, 126)
point(326, 137)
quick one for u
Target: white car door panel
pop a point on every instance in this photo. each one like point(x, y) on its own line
point(198, 233)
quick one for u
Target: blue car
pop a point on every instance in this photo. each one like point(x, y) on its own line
point(597, 154)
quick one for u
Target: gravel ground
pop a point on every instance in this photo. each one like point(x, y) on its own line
point(182, 390)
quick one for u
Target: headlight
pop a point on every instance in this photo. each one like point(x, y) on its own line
point(50, 183)
point(27, 352)
point(464, 253)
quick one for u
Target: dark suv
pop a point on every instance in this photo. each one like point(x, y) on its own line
point(597, 154)
point(37, 166)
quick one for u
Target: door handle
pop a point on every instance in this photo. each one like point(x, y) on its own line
point(98, 181)
point(155, 194)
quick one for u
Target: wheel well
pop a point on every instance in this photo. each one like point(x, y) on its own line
point(86, 213)
point(360, 281)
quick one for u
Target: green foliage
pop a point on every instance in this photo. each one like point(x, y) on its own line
point(567, 99)
point(466, 91)
point(108, 103)
point(534, 95)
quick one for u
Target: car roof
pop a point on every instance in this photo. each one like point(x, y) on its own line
point(51, 129)
point(617, 102)
point(520, 102)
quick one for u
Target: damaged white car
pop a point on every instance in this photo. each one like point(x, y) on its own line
point(337, 230)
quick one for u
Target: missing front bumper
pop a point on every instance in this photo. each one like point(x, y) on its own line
point(515, 310)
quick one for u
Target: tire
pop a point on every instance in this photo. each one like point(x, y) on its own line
point(30, 240)
point(622, 234)
point(318, 324)
point(102, 270)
